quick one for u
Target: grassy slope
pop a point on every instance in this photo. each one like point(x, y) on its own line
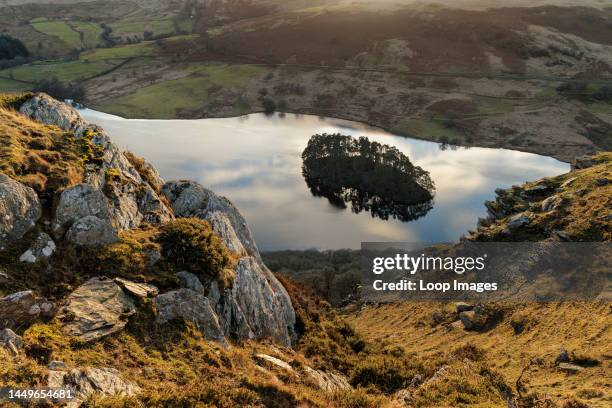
point(168, 98)
point(61, 30)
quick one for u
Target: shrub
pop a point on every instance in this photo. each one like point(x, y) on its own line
point(190, 243)
point(387, 373)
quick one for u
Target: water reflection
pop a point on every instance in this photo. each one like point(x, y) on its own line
point(256, 162)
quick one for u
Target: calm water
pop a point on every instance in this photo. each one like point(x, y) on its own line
point(255, 161)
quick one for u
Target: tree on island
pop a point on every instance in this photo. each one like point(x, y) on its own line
point(370, 176)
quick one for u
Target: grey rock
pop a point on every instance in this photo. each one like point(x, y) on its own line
point(139, 290)
point(43, 108)
point(57, 365)
point(18, 308)
point(42, 248)
point(19, 210)
point(257, 305)
point(404, 397)
point(602, 182)
point(274, 362)
point(583, 163)
point(92, 231)
point(11, 341)
point(568, 182)
point(191, 306)
point(96, 309)
point(570, 368)
point(78, 202)
point(130, 202)
point(89, 381)
point(327, 381)
point(189, 281)
point(538, 189)
point(517, 221)
point(551, 203)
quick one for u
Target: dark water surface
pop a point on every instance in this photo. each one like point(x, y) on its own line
point(255, 161)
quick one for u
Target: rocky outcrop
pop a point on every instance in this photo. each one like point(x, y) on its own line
point(21, 308)
point(42, 108)
point(257, 305)
point(80, 201)
point(19, 208)
point(91, 231)
point(128, 197)
point(96, 309)
point(191, 306)
point(42, 248)
point(88, 381)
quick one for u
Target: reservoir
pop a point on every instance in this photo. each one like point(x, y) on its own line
point(256, 162)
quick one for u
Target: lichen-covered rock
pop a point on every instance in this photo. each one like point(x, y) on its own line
point(42, 248)
point(18, 308)
point(256, 305)
point(96, 309)
point(190, 199)
point(89, 381)
point(11, 341)
point(19, 210)
point(191, 306)
point(139, 290)
point(131, 200)
point(78, 202)
point(43, 108)
point(91, 231)
point(326, 381)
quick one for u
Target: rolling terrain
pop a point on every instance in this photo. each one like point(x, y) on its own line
point(474, 76)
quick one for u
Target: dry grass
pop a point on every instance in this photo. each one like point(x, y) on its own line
point(43, 157)
point(582, 328)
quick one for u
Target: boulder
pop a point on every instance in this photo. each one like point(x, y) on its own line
point(274, 362)
point(570, 368)
point(92, 231)
point(551, 203)
point(42, 248)
point(190, 306)
point(190, 199)
point(139, 290)
point(43, 108)
point(78, 202)
point(18, 308)
point(329, 382)
point(257, 305)
point(96, 309)
point(19, 208)
point(89, 381)
point(10, 341)
point(518, 221)
point(190, 281)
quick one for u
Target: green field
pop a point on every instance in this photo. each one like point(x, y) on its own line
point(157, 27)
point(64, 71)
point(90, 33)
point(8, 85)
point(60, 30)
point(164, 100)
point(144, 49)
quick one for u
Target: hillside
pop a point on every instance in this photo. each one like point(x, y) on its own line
point(535, 79)
point(96, 249)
